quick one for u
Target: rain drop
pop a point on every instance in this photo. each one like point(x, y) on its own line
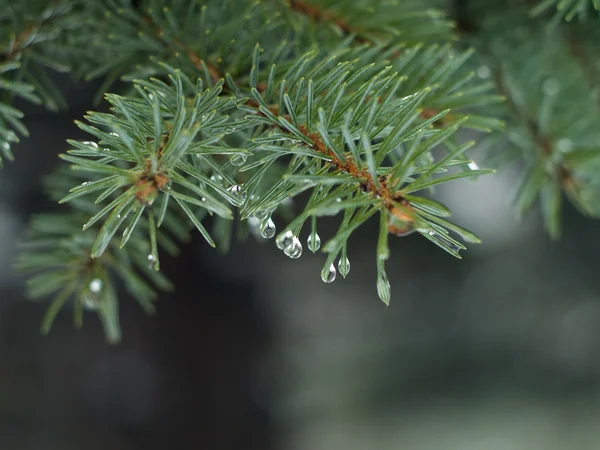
point(295, 250)
point(217, 179)
point(152, 262)
point(313, 244)
point(6, 146)
point(114, 134)
point(95, 285)
point(344, 266)
point(238, 160)
point(473, 165)
point(328, 274)
point(267, 229)
point(90, 143)
point(285, 240)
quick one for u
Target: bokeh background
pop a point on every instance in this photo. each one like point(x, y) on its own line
point(499, 351)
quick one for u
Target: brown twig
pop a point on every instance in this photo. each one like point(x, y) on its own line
point(22, 37)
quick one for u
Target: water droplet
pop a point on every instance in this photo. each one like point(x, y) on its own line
point(551, 86)
point(564, 145)
point(95, 285)
point(338, 200)
point(285, 240)
point(431, 233)
point(114, 134)
point(484, 72)
point(90, 143)
point(313, 245)
point(235, 189)
point(203, 199)
point(328, 274)
point(152, 262)
point(295, 250)
point(85, 183)
point(6, 146)
point(118, 216)
point(238, 160)
point(229, 130)
point(267, 229)
point(344, 266)
point(473, 165)
point(217, 179)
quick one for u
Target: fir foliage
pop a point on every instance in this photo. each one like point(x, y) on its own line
point(233, 107)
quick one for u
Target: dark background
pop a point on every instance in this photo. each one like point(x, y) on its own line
point(252, 351)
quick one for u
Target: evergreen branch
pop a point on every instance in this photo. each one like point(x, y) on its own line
point(566, 10)
point(317, 15)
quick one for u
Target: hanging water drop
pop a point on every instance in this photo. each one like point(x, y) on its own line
point(152, 262)
point(294, 251)
point(238, 160)
point(473, 165)
point(267, 229)
point(313, 244)
point(6, 146)
point(95, 285)
point(344, 266)
point(285, 240)
point(328, 274)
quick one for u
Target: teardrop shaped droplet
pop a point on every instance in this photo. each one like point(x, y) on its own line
point(285, 240)
point(238, 160)
point(344, 266)
point(267, 229)
point(295, 250)
point(313, 244)
point(328, 274)
point(152, 262)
